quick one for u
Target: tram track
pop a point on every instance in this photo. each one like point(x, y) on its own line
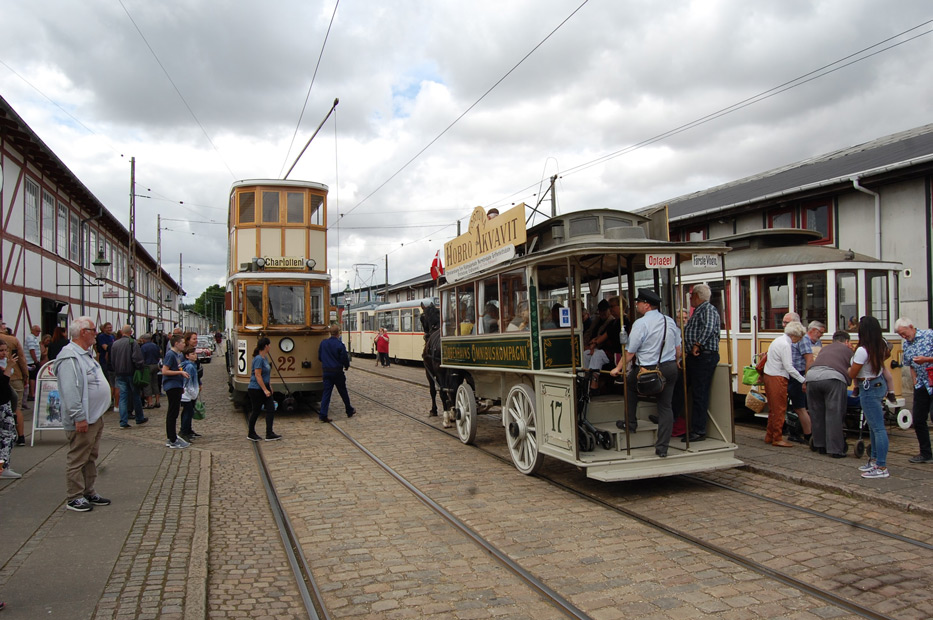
point(784, 577)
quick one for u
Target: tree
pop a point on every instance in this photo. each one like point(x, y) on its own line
point(210, 303)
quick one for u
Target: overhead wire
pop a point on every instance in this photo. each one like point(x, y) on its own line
point(467, 111)
point(310, 86)
point(177, 90)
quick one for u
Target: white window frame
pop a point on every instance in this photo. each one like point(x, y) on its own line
point(32, 215)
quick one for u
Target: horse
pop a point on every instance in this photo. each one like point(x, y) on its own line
point(431, 356)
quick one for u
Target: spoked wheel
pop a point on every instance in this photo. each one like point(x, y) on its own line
point(522, 429)
point(465, 408)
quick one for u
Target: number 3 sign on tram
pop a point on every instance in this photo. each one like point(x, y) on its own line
point(242, 364)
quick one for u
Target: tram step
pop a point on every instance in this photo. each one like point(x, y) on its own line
point(645, 436)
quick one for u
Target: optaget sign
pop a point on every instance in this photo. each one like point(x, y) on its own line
point(487, 242)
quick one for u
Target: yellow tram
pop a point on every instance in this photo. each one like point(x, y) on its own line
point(511, 339)
point(277, 285)
point(402, 321)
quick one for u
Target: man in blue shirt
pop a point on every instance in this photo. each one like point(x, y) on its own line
point(918, 355)
point(655, 340)
point(334, 361)
point(701, 336)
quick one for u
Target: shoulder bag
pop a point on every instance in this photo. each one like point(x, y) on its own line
point(649, 381)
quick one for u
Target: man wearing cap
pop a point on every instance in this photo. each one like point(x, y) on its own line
point(702, 339)
point(655, 338)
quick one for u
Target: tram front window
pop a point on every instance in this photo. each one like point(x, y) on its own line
point(847, 300)
point(317, 305)
point(773, 299)
point(252, 304)
point(877, 301)
point(286, 305)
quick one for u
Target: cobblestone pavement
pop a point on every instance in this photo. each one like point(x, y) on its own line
point(605, 563)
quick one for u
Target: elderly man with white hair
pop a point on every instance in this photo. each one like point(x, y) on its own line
point(918, 355)
point(701, 336)
point(85, 397)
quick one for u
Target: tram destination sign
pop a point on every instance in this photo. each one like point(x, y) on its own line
point(486, 243)
point(505, 353)
point(659, 261)
point(706, 260)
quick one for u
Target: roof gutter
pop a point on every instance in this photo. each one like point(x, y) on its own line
point(801, 188)
point(855, 184)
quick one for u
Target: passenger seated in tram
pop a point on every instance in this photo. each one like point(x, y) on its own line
point(520, 322)
point(467, 320)
point(603, 342)
point(554, 320)
point(491, 318)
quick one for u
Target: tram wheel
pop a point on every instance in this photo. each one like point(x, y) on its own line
point(859, 449)
point(522, 429)
point(465, 410)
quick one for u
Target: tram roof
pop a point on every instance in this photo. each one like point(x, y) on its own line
point(279, 183)
point(411, 303)
point(800, 257)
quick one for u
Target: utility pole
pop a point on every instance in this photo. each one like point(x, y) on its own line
point(159, 261)
point(386, 295)
point(131, 276)
point(553, 197)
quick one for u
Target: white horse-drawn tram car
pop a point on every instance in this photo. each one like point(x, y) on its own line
point(510, 340)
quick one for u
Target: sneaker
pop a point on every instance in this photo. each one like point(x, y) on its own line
point(9, 474)
point(21, 441)
point(97, 500)
point(143, 421)
point(351, 413)
point(186, 436)
point(254, 437)
point(124, 426)
point(79, 505)
point(870, 465)
point(195, 435)
point(272, 437)
point(919, 459)
point(876, 472)
point(178, 443)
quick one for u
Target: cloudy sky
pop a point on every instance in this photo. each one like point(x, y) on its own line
point(445, 105)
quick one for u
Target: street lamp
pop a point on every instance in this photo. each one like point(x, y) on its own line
point(101, 265)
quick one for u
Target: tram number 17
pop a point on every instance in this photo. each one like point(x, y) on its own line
point(557, 414)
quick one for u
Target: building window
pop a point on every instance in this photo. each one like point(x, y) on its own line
point(62, 230)
point(818, 216)
point(782, 218)
point(32, 212)
point(74, 253)
point(48, 221)
point(697, 233)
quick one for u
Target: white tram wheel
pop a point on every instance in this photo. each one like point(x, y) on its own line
point(905, 419)
point(465, 408)
point(521, 429)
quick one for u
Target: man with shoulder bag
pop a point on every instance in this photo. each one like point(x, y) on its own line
point(655, 341)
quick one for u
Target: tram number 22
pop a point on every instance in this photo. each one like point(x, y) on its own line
point(286, 363)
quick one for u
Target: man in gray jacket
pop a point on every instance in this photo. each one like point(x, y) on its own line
point(126, 357)
point(85, 397)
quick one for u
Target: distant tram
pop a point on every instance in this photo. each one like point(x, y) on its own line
point(402, 321)
point(511, 340)
point(277, 285)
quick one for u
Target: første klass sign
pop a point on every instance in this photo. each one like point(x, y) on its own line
point(487, 242)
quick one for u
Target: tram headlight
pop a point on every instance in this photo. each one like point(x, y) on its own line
point(310, 264)
point(287, 345)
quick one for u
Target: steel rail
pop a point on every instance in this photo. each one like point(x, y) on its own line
point(536, 584)
point(312, 598)
point(815, 592)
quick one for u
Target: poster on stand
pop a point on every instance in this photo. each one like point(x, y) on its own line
point(47, 412)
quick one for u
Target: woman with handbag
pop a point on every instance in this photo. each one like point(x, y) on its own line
point(655, 339)
point(779, 367)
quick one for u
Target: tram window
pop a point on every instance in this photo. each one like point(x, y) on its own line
point(450, 313)
point(369, 322)
point(716, 299)
point(351, 321)
point(616, 222)
point(389, 320)
point(270, 207)
point(317, 211)
point(247, 202)
point(584, 226)
point(847, 300)
point(466, 305)
point(317, 305)
point(773, 300)
point(252, 304)
point(513, 302)
point(286, 304)
point(488, 301)
point(405, 320)
point(877, 297)
point(810, 294)
point(416, 319)
point(295, 208)
point(745, 303)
